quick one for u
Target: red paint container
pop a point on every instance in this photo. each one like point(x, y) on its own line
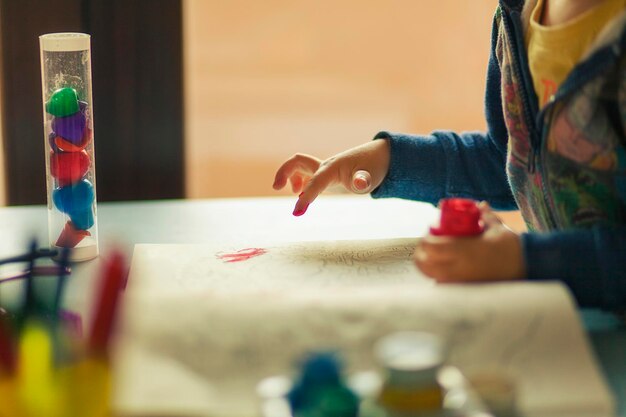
point(459, 217)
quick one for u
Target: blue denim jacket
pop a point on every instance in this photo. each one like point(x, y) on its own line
point(563, 166)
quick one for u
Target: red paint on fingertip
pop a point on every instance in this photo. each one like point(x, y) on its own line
point(300, 211)
point(241, 255)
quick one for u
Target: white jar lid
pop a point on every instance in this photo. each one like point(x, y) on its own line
point(65, 42)
point(411, 357)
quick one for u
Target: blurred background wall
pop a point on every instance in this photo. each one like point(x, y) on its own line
point(266, 79)
point(262, 80)
point(2, 175)
point(137, 61)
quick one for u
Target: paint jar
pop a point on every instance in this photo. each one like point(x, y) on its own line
point(69, 143)
point(411, 363)
point(319, 389)
point(459, 217)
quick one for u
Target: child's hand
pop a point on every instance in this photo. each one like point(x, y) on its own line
point(494, 255)
point(360, 170)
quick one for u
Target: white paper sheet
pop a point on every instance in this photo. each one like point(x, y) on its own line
point(231, 323)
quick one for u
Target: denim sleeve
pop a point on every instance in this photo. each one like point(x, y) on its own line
point(446, 164)
point(591, 262)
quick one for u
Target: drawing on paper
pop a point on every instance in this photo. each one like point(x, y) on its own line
point(302, 264)
point(240, 255)
point(252, 318)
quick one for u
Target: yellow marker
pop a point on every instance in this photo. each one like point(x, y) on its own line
point(87, 386)
point(37, 391)
point(10, 406)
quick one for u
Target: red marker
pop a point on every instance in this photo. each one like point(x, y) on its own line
point(7, 349)
point(459, 217)
point(112, 283)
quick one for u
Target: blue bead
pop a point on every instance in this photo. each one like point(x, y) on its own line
point(82, 220)
point(76, 198)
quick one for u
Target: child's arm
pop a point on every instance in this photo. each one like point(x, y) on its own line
point(446, 164)
point(426, 168)
point(591, 262)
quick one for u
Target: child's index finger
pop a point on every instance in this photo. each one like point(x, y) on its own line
point(300, 208)
point(316, 185)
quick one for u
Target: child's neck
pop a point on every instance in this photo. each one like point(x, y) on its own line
point(556, 12)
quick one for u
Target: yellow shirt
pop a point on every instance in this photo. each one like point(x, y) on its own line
point(553, 51)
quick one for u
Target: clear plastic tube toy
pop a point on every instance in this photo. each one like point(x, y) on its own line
point(69, 143)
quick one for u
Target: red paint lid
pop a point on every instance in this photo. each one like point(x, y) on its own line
point(459, 217)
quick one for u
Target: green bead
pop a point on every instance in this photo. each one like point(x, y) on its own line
point(64, 102)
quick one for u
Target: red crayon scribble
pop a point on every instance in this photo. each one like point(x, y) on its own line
point(241, 255)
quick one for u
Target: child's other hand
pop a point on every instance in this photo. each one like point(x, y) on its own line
point(495, 255)
point(360, 170)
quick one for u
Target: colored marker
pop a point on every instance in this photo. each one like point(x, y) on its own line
point(11, 406)
point(29, 293)
point(88, 383)
point(37, 390)
point(38, 253)
point(7, 350)
point(112, 282)
point(38, 271)
point(61, 341)
point(58, 296)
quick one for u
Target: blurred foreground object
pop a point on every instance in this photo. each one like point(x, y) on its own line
point(47, 367)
